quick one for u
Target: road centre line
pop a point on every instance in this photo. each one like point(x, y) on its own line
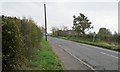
point(109, 55)
point(97, 47)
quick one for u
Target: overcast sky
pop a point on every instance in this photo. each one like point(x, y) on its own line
point(101, 14)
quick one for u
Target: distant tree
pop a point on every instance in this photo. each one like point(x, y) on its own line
point(63, 31)
point(54, 31)
point(60, 33)
point(115, 37)
point(104, 34)
point(65, 28)
point(81, 24)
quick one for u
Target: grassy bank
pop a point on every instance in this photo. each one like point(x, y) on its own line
point(46, 59)
point(99, 44)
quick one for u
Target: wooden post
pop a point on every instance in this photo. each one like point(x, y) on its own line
point(45, 21)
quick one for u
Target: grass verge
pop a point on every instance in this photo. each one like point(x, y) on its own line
point(99, 44)
point(46, 59)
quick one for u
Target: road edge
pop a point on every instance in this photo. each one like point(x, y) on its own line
point(80, 60)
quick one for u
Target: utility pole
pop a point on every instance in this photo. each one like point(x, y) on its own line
point(45, 21)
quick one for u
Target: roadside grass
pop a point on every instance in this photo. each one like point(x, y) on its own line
point(99, 44)
point(46, 59)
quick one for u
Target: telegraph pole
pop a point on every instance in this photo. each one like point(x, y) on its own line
point(45, 21)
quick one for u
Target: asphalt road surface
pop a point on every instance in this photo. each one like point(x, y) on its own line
point(95, 58)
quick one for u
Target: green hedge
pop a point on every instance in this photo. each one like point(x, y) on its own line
point(20, 38)
point(99, 44)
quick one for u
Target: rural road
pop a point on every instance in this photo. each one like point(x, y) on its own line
point(86, 56)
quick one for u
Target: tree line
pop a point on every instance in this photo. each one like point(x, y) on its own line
point(81, 25)
point(20, 39)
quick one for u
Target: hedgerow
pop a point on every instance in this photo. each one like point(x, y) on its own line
point(20, 39)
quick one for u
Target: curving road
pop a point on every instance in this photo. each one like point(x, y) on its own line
point(94, 57)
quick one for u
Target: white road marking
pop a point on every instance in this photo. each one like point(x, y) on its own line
point(96, 47)
point(109, 55)
point(87, 48)
point(101, 48)
point(93, 47)
point(80, 60)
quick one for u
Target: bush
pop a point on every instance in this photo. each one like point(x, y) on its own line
point(20, 38)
